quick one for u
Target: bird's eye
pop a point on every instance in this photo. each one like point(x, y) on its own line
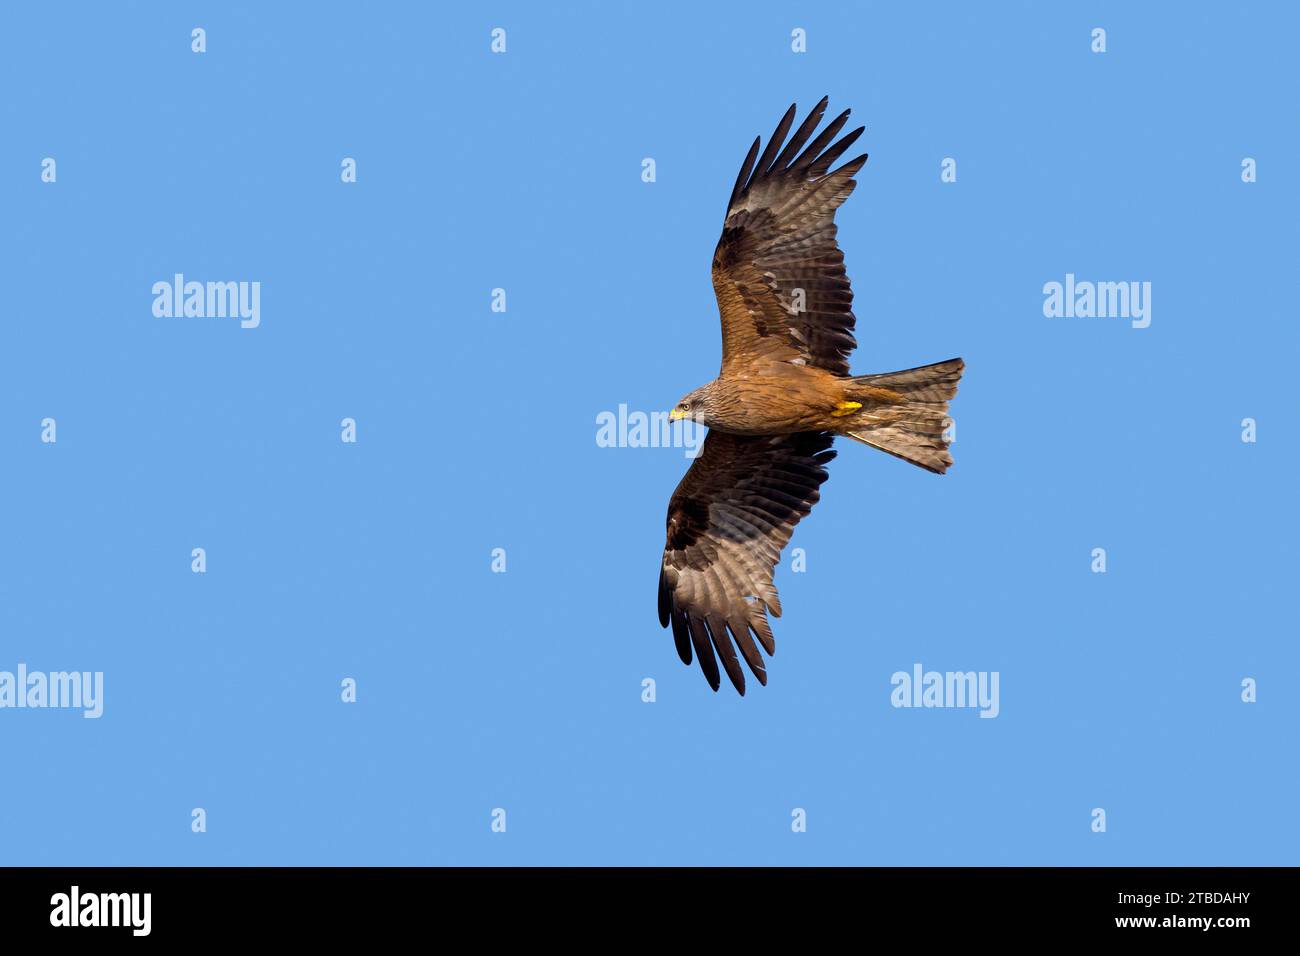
point(685, 406)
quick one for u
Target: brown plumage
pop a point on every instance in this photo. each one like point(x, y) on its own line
point(783, 393)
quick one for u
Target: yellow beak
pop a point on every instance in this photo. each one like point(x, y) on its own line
point(675, 414)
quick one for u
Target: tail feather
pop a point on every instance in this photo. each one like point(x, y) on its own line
point(912, 420)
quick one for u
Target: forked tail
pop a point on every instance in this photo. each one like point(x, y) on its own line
point(906, 413)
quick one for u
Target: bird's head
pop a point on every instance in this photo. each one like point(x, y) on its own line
point(696, 406)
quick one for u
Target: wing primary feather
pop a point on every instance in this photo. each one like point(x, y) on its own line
point(801, 134)
point(746, 168)
point(778, 137)
point(682, 637)
point(763, 631)
point(703, 650)
point(823, 162)
point(718, 634)
point(850, 169)
point(665, 599)
point(823, 140)
point(749, 650)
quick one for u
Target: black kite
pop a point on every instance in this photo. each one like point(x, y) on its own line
point(783, 393)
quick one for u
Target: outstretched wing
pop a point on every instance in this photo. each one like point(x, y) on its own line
point(777, 270)
point(727, 523)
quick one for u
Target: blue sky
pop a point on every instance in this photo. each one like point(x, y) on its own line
point(476, 430)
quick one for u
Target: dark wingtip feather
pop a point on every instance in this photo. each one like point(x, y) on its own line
point(823, 139)
point(800, 137)
point(665, 600)
point(777, 138)
point(824, 161)
point(749, 651)
point(746, 168)
point(763, 631)
point(717, 630)
point(681, 638)
point(703, 650)
point(852, 166)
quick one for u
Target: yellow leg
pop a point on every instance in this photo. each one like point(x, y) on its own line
point(845, 408)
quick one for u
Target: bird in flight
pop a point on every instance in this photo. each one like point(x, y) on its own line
point(782, 395)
